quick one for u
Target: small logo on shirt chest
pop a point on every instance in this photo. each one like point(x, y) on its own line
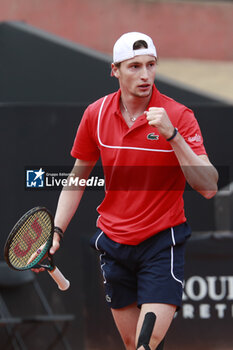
point(152, 136)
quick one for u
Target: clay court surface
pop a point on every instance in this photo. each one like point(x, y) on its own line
point(211, 77)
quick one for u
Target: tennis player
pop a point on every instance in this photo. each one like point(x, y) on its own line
point(142, 134)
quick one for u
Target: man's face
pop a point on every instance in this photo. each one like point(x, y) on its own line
point(136, 75)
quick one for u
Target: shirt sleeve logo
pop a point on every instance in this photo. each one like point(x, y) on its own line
point(195, 138)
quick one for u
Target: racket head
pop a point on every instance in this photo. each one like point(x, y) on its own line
point(33, 231)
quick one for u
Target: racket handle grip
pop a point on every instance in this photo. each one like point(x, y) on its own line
point(62, 282)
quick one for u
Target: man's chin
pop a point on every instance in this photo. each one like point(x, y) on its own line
point(143, 94)
point(143, 91)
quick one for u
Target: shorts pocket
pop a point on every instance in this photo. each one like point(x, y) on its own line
point(180, 234)
point(177, 262)
point(95, 240)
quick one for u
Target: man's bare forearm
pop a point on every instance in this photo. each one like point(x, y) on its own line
point(198, 171)
point(70, 198)
point(67, 205)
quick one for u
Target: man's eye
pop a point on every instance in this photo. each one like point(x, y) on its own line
point(134, 66)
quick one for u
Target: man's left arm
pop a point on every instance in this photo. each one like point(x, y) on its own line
point(198, 170)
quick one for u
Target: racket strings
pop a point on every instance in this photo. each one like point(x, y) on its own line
point(33, 234)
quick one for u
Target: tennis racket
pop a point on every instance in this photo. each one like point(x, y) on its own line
point(28, 244)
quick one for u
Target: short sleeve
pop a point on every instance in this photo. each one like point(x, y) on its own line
point(191, 132)
point(85, 146)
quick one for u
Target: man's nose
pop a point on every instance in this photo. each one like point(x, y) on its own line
point(144, 73)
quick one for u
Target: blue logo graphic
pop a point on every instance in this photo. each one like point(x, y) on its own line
point(35, 178)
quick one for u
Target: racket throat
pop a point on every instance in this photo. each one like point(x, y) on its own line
point(49, 265)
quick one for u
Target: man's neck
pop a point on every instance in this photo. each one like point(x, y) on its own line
point(135, 105)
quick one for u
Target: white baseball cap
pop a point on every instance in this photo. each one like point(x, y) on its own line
point(123, 48)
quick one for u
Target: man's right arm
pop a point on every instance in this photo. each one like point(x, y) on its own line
point(70, 198)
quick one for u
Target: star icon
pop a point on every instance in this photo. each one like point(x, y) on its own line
point(39, 174)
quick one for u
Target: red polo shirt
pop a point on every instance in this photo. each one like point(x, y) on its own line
point(144, 182)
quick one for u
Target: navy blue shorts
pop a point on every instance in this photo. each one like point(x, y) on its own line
point(150, 272)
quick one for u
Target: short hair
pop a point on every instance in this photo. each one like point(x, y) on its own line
point(140, 44)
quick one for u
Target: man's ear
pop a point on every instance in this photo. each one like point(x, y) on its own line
point(115, 71)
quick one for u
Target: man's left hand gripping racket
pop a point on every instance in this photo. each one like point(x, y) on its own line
point(29, 243)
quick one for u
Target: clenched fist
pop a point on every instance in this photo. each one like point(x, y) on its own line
point(158, 117)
